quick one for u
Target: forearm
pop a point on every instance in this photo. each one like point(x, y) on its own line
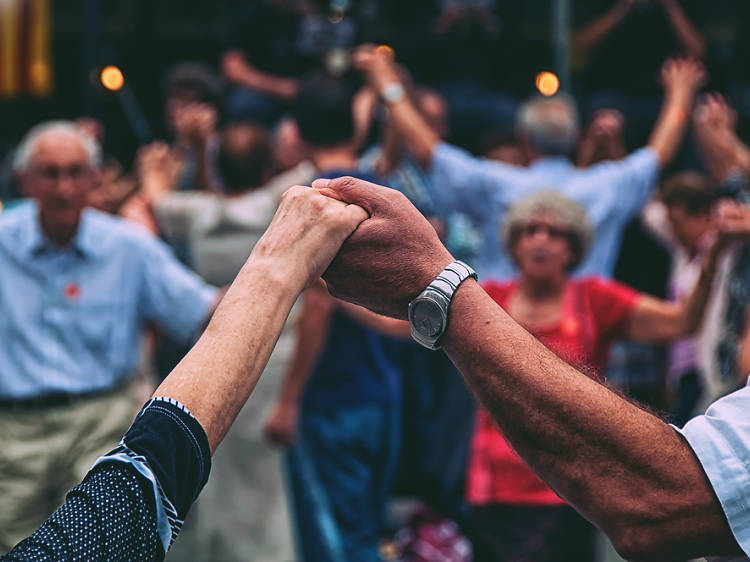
point(591, 446)
point(216, 377)
point(694, 306)
point(416, 133)
point(238, 71)
point(595, 32)
point(717, 150)
point(670, 127)
point(690, 38)
point(387, 326)
point(312, 331)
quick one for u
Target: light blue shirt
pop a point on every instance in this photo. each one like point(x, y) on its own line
point(612, 193)
point(71, 320)
point(721, 441)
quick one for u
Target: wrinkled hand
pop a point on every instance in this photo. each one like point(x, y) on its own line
point(683, 75)
point(305, 234)
point(281, 426)
point(714, 112)
point(391, 257)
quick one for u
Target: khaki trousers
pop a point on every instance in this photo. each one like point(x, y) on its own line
point(44, 453)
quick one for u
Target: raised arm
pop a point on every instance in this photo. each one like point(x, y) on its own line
point(681, 79)
point(657, 320)
point(722, 150)
point(691, 40)
point(594, 32)
point(623, 468)
point(383, 77)
point(218, 374)
point(238, 70)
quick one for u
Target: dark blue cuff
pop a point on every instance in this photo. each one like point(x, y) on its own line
point(176, 448)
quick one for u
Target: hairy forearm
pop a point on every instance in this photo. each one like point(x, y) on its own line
point(623, 468)
point(216, 377)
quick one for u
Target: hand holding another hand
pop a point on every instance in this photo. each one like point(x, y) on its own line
point(304, 236)
point(391, 257)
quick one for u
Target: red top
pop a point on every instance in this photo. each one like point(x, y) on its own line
point(595, 313)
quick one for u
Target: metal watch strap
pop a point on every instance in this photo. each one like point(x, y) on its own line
point(451, 277)
point(441, 292)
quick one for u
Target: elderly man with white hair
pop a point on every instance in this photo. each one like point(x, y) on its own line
point(76, 290)
point(611, 192)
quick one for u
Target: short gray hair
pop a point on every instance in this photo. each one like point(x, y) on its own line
point(25, 150)
point(550, 124)
point(568, 214)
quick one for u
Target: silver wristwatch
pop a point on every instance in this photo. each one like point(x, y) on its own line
point(392, 92)
point(428, 313)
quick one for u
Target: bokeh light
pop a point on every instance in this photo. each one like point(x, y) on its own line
point(112, 78)
point(385, 51)
point(547, 83)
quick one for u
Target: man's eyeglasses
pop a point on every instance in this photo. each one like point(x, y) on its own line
point(54, 173)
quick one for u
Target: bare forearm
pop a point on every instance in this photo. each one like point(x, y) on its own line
point(689, 37)
point(238, 71)
point(312, 331)
point(216, 377)
point(695, 304)
point(670, 127)
point(592, 447)
point(417, 134)
point(595, 32)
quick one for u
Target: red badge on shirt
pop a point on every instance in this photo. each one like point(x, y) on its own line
point(72, 291)
point(570, 327)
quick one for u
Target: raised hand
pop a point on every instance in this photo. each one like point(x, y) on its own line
point(391, 257)
point(683, 75)
point(305, 234)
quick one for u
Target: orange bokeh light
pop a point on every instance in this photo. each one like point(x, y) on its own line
point(547, 83)
point(385, 51)
point(112, 78)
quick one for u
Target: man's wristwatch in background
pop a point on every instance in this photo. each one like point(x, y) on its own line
point(392, 93)
point(428, 313)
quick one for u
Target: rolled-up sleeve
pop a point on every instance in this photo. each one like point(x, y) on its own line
point(721, 441)
point(461, 182)
point(172, 296)
point(133, 501)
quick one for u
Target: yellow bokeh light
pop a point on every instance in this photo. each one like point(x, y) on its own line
point(385, 51)
point(547, 83)
point(112, 78)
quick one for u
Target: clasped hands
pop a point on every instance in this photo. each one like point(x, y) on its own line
point(371, 246)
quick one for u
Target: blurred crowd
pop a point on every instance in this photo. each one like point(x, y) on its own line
point(593, 215)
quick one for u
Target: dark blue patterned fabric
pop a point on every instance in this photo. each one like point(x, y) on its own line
point(131, 504)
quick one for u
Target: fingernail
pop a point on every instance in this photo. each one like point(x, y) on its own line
point(321, 182)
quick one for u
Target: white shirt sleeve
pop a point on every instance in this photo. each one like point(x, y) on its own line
point(721, 441)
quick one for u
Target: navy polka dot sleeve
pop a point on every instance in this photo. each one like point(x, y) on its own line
point(132, 502)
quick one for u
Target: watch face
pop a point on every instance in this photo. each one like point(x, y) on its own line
point(427, 318)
